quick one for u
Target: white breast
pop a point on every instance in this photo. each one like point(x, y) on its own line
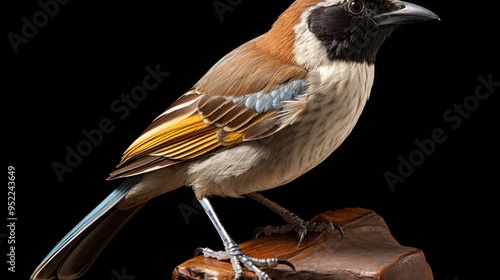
point(336, 97)
point(316, 125)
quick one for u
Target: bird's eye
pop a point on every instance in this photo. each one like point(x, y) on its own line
point(356, 7)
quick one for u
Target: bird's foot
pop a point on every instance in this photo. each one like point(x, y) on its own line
point(295, 223)
point(237, 258)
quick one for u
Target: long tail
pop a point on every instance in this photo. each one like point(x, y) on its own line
point(76, 252)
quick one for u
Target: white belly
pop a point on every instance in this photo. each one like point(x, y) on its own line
point(322, 120)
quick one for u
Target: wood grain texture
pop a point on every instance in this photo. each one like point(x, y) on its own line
point(368, 251)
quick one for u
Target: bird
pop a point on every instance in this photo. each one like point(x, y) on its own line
point(266, 113)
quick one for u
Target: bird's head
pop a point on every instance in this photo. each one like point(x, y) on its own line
point(315, 32)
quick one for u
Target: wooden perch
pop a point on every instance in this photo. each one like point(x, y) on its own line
point(368, 251)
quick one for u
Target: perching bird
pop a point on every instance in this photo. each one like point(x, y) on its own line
point(266, 113)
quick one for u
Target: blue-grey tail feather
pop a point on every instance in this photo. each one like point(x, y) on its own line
point(48, 269)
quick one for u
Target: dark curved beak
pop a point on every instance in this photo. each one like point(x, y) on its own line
point(407, 13)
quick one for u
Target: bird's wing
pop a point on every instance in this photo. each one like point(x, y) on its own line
point(237, 100)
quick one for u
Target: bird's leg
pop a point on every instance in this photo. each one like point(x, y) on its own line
point(295, 223)
point(233, 253)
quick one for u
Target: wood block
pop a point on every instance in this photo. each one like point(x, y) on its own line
point(367, 251)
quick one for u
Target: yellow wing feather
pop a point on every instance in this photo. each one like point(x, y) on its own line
point(179, 140)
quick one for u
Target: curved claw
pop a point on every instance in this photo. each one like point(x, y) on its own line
point(289, 264)
point(340, 229)
point(257, 232)
point(302, 233)
point(198, 251)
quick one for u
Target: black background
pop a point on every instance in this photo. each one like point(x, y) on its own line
point(66, 77)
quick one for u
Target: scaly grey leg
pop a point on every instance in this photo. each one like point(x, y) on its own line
point(295, 223)
point(233, 253)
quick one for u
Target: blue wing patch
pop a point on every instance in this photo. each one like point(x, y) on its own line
point(263, 102)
